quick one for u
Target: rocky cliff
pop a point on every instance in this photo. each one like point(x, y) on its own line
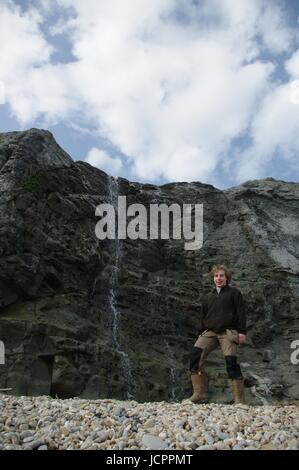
point(117, 318)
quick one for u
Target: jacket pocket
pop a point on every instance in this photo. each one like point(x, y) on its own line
point(232, 335)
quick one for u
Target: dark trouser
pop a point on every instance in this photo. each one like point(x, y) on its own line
point(207, 342)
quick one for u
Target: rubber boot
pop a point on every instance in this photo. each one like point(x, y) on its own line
point(238, 390)
point(200, 388)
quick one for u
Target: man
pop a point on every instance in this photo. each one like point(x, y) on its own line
point(223, 322)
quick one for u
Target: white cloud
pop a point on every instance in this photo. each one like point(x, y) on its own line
point(170, 94)
point(249, 20)
point(275, 129)
point(23, 49)
point(292, 65)
point(101, 159)
point(47, 90)
point(22, 44)
point(2, 93)
point(277, 37)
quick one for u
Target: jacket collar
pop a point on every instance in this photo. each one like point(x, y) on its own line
point(223, 288)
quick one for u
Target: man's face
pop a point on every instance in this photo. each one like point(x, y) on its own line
point(220, 278)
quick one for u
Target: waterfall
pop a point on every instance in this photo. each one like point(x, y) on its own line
point(125, 365)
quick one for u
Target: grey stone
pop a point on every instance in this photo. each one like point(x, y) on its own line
point(222, 435)
point(102, 436)
point(33, 445)
point(206, 447)
point(268, 355)
point(153, 442)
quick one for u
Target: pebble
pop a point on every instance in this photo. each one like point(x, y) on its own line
point(33, 444)
point(206, 447)
point(209, 439)
point(102, 436)
point(45, 423)
point(25, 434)
point(153, 442)
point(28, 439)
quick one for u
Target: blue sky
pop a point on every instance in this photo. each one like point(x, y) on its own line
point(158, 91)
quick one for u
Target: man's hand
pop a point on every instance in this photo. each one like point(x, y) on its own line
point(242, 338)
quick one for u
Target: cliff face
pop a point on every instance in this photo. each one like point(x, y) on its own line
point(117, 318)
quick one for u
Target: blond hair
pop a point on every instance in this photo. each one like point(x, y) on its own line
point(221, 267)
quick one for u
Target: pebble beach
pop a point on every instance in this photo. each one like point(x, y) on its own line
point(45, 423)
